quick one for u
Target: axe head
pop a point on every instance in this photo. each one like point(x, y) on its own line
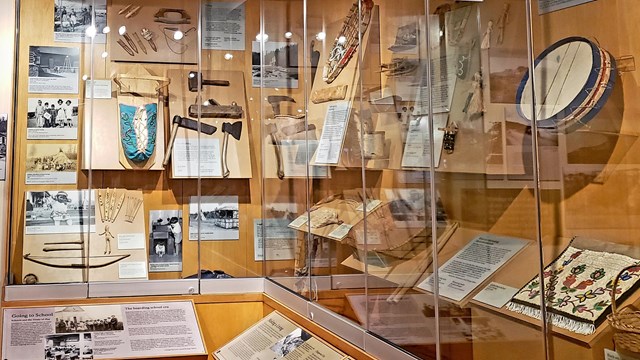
point(193, 125)
point(275, 100)
point(234, 129)
point(193, 81)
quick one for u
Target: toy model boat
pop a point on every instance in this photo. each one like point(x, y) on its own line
point(399, 66)
point(347, 41)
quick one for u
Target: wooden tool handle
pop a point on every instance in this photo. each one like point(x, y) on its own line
point(225, 168)
point(169, 149)
point(276, 146)
point(216, 82)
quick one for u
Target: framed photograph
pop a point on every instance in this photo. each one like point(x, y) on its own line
point(280, 69)
point(59, 212)
point(165, 240)
point(52, 118)
point(71, 18)
point(53, 69)
point(51, 164)
point(504, 79)
point(218, 217)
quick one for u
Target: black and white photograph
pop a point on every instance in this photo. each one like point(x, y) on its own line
point(51, 164)
point(68, 346)
point(53, 69)
point(280, 68)
point(76, 319)
point(503, 84)
point(52, 118)
point(59, 212)
point(296, 338)
point(3, 146)
point(218, 218)
point(165, 240)
point(72, 18)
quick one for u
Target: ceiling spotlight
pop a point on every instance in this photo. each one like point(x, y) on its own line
point(342, 40)
point(91, 31)
point(106, 30)
point(122, 30)
point(105, 54)
point(262, 37)
point(321, 35)
point(178, 35)
point(84, 77)
point(228, 56)
point(288, 35)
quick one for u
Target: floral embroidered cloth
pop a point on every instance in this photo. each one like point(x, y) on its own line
point(578, 287)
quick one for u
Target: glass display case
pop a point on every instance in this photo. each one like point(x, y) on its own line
point(432, 178)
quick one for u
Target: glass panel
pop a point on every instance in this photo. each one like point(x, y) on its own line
point(149, 46)
point(487, 187)
point(400, 228)
point(283, 73)
point(229, 189)
point(52, 214)
point(586, 141)
point(338, 34)
point(126, 114)
point(462, 192)
point(322, 180)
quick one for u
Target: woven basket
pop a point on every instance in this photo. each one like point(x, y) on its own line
point(625, 322)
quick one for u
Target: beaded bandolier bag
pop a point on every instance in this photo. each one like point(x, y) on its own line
point(139, 93)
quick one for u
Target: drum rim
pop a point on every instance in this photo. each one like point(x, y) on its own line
point(582, 94)
point(577, 113)
point(600, 102)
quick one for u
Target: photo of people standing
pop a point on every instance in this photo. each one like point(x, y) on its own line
point(51, 118)
point(165, 240)
point(47, 113)
point(71, 18)
point(74, 319)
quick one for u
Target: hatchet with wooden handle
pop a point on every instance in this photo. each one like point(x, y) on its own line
point(190, 124)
